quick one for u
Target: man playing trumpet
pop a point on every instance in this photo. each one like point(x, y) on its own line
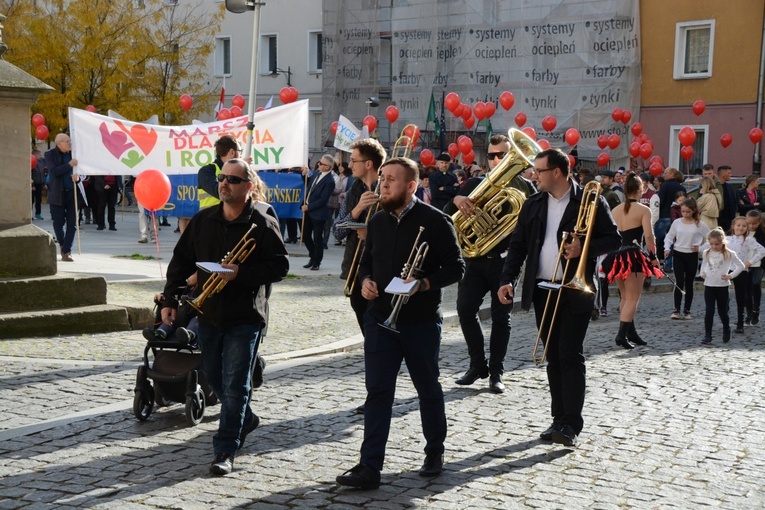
point(392, 240)
point(536, 240)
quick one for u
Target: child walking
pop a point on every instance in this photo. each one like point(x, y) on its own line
point(756, 230)
point(716, 265)
point(751, 253)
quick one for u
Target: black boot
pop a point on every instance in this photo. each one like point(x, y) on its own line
point(726, 335)
point(755, 317)
point(739, 322)
point(632, 335)
point(621, 336)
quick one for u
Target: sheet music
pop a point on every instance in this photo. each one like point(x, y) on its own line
point(214, 267)
point(397, 286)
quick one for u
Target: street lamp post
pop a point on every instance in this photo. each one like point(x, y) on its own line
point(276, 72)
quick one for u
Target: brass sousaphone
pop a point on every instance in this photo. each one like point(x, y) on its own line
point(497, 199)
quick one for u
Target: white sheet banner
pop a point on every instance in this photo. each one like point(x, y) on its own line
point(346, 134)
point(107, 146)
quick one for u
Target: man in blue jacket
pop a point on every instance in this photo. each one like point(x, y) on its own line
point(60, 166)
point(316, 211)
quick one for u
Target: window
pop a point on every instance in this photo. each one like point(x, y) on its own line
point(222, 56)
point(694, 47)
point(700, 148)
point(315, 52)
point(267, 58)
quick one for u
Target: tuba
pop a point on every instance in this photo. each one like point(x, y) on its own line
point(498, 199)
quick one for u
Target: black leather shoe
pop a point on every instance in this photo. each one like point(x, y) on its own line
point(257, 372)
point(359, 476)
point(726, 335)
point(495, 383)
point(472, 375)
point(310, 264)
point(248, 428)
point(565, 436)
point(222, 465)
point(547, 435)
point(315, 267)
point(433, 466)
point(360, 409)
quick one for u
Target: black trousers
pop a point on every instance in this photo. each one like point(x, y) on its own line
point(37, 198)
point(107, 200)
point(565, 355)
point(685, 265)
point(482, 275)
point(314, 239)
point(716, 297)
point(741, 285)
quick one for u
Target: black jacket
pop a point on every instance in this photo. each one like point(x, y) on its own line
point(60, 174)
point(667, 192)
point(526, 241)
point(745, 204)
point(388, 246)
point(208, 238)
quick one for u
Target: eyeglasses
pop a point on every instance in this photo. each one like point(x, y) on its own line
point(500, 155)
point(541, 170)
point(354, 161)
point(231, 179)
point(324, 164)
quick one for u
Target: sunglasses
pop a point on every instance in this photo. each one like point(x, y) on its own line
point(231, 179)
point(499, 155)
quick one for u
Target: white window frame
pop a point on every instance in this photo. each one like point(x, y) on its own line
point(219, 60)
point(263, 53)
point(674, 144)
point(681, 29)
point(314, 67)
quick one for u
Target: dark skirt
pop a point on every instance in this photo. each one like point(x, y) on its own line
point(628, 260)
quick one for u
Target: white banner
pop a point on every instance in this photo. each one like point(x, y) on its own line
point(107, 146)
point(346, 134)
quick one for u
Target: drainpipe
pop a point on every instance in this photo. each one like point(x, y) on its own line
point(757, 163)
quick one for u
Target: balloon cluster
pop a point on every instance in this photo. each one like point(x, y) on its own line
point(288, 95)
point(41, 130)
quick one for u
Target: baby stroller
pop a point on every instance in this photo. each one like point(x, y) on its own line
point(175, 371)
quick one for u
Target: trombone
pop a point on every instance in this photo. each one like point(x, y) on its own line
point(412, 268)
point(584, 223)
point(215, 283)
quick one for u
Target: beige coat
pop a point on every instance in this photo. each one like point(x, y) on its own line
point(709, 209)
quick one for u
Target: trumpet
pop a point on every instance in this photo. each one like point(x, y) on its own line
point(215, 283)
point(412, 268)
point(584, 223)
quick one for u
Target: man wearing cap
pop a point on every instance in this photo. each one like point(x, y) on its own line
point(443, 184)
point(606, 181)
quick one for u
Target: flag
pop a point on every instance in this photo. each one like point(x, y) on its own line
point(270, 101)
point(222, 100)
point(432, 114)
point(346, 134)
point(442, 124)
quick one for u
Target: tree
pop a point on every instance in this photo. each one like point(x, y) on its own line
point(134, 57)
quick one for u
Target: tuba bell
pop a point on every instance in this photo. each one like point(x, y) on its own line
point(497, 200)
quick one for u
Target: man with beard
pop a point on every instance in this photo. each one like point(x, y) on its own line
point(392, 237)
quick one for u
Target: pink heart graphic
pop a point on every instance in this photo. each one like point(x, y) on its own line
point(116, 143)
point(145, 138)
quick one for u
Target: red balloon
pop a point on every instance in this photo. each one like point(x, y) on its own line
point(427, 157)
point(626, 116)
point(572, 136)
point(635, 149)
point(453, 150)
point(687, 136)
point(506, 100)
point(530, 132)
point(549, 123)
point(614, 141)
point(656, 159)
point(186, 102)
point(467, 112)
point(636, 128)
point(656, 169)
point(603, 141)
point(152, 189)
point(603, 159)
point(465, 144)
point(470, 122)
point(38, 119)
point(543, 144)
point(686, 152)
point(285, 95)
point(452, 101)
point(41, 132)
point(293, 94)
point(413, 133)
point(755, 135)
point(370, 122)
point(480, 110)
point(490, 109)
point(520, 119)
point(236, 111)
point(91, 108)
point(726, 139)
point(224, 114)
point(698, 107)
point(457, 112)
point(391, 113)
point(33, 160)
point(646, 150)
point(260, 109)
point(333, 127)
point(616, 114)
point(642, 138)
point(469, 157)
point(571, 161)
point(238, 100)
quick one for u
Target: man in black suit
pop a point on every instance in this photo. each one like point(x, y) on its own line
point(316, 210)
point(536, 240)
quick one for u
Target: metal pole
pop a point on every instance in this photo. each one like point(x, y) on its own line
point(253, 77)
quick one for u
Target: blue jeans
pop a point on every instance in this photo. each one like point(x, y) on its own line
point(228, 355)
point(418, 345)
point(64, 215)
point(755, 287)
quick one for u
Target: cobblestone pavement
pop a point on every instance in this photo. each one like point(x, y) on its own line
point(672, 425)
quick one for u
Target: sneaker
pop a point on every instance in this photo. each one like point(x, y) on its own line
point(675, 315)
point(707, 340)
point(222, 465)
point(152, 334)
point(143, 239)
point(360, 477)
point(755, 318)
point(604, 312)
point(739, 329)
point(39, 217)
point(687, 316)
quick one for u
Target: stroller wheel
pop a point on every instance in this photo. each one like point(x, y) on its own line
point(143, 403)
point(195, 407)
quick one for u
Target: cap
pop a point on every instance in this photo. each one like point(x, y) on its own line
point(444, 156)
point(607, 173)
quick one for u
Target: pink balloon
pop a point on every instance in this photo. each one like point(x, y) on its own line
point(152, 189)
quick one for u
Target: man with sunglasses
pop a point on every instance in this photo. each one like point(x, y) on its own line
point(482, 277)
point(232, 321)
point(316, 211)
point(226, 148)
